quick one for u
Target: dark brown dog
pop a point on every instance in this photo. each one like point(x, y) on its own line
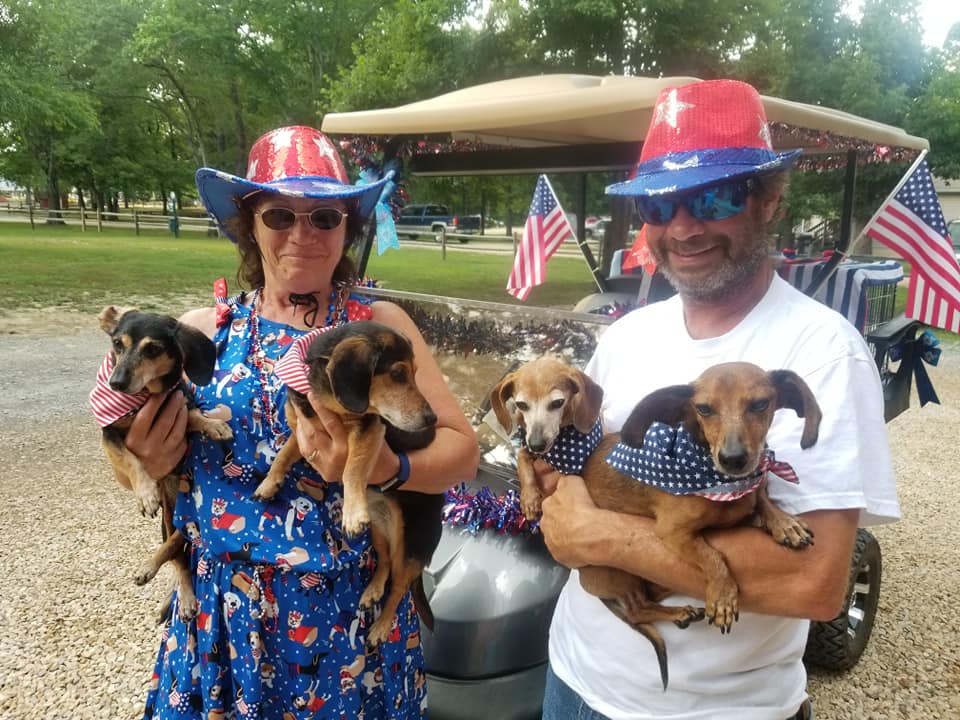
point(364, 372)
point(728, 410)
point(152, 352)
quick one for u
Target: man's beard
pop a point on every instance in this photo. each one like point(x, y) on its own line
point(730, 276)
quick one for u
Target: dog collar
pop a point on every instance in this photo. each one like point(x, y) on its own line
point(110, 405)
point(570, 450)
point(672, 461)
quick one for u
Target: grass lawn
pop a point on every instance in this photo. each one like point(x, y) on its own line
point(64, 267)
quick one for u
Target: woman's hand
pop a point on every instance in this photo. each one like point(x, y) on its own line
point(322, 442)
point(158, 433)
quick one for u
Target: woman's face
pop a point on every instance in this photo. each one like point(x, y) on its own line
point(301, 257)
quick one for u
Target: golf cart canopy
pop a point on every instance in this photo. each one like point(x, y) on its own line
point(586, 123)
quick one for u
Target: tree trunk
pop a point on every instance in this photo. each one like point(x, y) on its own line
point(53, 191)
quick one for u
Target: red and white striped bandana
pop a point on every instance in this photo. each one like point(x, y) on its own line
point(292, 367)
point(110, 405)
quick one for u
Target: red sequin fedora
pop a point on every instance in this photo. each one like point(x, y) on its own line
point(703, 133)
point(295, 161)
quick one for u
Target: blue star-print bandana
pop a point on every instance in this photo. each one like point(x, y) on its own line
point(672, 461)
point(570, 450)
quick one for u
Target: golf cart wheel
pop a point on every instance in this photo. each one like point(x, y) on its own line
point(838, 644)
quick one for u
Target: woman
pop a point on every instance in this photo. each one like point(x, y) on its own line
point(279, 633)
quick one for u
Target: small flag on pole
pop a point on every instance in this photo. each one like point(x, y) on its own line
point(546, 228)
point(911, 224)
point(640, 254)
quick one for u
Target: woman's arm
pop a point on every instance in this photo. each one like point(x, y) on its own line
point(158, 433)
point(810, 582)
point(451, 458)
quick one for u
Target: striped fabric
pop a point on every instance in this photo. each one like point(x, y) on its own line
point(109, 405)
point(847, 289)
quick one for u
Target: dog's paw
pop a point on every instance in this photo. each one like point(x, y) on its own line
point(266, 490)
point(148, 501)
point(791, 532)
point(723, 605)
point(355, 521)
point(145, 574)
point(530, 504)
point(186, 606)
point(379, 631)
point(688, 614)
point(218, 430)
point(372, 594)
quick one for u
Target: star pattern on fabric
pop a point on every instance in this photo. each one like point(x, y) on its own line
point(671, 460)
point(670, 109)
point(920, 197)
point(570, 450)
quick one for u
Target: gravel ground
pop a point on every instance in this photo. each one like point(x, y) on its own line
point(78, 638)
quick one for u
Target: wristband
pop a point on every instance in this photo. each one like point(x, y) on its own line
point(403, 474)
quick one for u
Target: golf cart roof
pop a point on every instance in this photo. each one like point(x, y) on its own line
point(596, 123)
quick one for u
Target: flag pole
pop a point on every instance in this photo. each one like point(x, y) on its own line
point(585, 250)
point(903, 180)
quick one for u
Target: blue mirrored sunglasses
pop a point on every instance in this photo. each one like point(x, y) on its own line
point(717, 202)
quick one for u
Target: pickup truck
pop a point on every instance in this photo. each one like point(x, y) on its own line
point(421, 219)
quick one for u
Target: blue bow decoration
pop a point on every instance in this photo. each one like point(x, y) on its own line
point(926, 350)
point(386, 228)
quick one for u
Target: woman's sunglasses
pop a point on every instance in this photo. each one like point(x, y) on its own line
point(281, 218)
point(717, 202)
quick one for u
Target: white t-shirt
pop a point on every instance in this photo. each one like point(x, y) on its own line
point(754, 673)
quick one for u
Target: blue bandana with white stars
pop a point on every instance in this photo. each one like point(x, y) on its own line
point(672, 461)
point(570, 450)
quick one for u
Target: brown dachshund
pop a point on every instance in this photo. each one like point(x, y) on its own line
point(364, 372)
point(728, 411)
point(548, 395)
point(152, 352)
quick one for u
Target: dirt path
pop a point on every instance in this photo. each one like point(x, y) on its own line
point(78, 637)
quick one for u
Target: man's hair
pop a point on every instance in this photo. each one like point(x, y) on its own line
point(250, 272)
point(774, 185)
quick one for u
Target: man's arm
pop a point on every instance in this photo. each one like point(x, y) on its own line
point(809, 583)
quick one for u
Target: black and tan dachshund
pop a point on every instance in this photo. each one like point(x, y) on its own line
point(365, 373)
point(151, 353)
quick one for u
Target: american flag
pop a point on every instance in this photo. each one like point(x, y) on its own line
point(545, 229)
point(911, 224)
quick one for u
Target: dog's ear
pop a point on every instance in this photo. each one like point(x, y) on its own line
point(110, 316)
point(585, 400)
point(794, 393)
point(667, 405)
point(502, 392)
point(350, 370)
point(199, 353)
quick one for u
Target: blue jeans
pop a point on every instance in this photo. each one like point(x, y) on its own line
point(560, 702)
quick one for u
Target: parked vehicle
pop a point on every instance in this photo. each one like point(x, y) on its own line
point(422, 219)
point(493, 594)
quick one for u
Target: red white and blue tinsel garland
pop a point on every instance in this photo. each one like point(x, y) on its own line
point(485, 510)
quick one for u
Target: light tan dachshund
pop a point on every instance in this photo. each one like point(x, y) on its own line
point(728, 411)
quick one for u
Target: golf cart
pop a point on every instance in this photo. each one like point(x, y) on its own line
point(493, 587)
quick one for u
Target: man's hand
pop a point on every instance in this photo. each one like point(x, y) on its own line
point(158, 433)
point(568, 517)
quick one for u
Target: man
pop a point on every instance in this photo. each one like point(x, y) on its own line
point(707, 186)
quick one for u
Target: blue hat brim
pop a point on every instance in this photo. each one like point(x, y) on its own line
point(221, 191)
point(679, 172)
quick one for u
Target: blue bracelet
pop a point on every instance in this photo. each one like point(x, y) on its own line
point(403, 474)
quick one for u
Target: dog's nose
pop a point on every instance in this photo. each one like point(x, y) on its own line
point(733, 462)
point(429, 416)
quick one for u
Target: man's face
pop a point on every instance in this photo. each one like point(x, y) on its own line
point(710, 260)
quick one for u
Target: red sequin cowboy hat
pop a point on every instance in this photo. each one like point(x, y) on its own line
point(703, 133)
point(295, 161)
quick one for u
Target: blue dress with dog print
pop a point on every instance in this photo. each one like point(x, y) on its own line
point(279, 633)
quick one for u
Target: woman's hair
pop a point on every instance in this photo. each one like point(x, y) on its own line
point(250, 271)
